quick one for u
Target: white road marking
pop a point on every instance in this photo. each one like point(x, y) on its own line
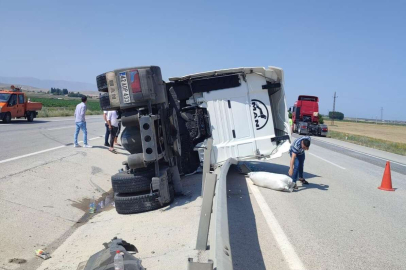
point(287, 249)
point(60, 128)
point(44, 151)
point(359, 152)
point(70, 119)
point(32, 154)
point(95, 138)
point(327, 161)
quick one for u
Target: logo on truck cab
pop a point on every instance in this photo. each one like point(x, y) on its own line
point(260, 112)
point(124, 87)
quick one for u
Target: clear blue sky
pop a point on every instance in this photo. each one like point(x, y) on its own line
point(357, 48)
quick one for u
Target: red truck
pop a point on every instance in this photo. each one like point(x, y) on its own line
point(305, 117)
point(14, 104)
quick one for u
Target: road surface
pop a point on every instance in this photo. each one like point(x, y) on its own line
point(45, 187)
point(45, 184)
point(341, 220)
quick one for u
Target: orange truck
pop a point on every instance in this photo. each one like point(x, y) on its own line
point(14, 104)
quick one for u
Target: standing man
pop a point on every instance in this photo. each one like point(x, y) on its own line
point(297, 153)
point(80, 121)
point(106, 137)
point(112, 122)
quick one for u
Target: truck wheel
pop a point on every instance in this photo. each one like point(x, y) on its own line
point(133, 204)
point(124, 182)
point(30, 117)
point(7, 118)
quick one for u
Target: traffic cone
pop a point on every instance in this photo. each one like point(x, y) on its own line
point(387, 179)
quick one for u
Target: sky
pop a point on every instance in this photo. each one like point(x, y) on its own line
point(354, 48)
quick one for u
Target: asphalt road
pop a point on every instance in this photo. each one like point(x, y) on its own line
point(21, 137)
point(46, 184)
point(341, 220)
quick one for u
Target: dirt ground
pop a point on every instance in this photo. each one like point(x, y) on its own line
point(384, 132)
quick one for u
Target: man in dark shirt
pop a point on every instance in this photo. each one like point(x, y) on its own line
point(297, 153)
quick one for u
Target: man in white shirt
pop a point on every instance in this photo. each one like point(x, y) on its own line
point(112, 122)
point(80, 122)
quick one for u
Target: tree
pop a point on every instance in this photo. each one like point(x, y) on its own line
point(321, 119)
point(65, 91)
point(336, 115)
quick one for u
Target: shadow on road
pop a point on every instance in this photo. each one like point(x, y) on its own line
point(244, 243)
point(313, 186)
point(192, 188)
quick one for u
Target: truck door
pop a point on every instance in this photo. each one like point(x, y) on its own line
point(12, 105)
point(20, 105)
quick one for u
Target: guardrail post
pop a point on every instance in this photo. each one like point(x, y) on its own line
point(205, 214)
point(206, 161)
point(199, 266)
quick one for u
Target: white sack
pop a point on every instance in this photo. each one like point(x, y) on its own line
point(272, 180)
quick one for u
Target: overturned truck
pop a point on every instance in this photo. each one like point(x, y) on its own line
point(242, 109)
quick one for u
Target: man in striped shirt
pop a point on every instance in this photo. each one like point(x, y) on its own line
point(297, 153)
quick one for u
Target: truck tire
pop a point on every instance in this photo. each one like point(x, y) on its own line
point(133, 204)
point(124, 182)
point(30, 116)
point(7, 118)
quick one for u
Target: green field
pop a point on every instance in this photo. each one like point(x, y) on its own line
point(92, 105)
point(389, 146)
point(53, 107)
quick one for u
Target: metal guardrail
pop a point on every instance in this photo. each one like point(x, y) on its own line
point(214, 217)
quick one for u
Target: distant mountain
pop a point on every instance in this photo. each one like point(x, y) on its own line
point(47, 84)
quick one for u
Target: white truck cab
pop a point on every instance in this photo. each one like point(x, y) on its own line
point(247, 111)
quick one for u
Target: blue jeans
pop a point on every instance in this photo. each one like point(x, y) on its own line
point(81, 126)
point(298, 166)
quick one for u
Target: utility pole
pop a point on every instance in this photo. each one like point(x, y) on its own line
point(334, 109)
point(381, 114)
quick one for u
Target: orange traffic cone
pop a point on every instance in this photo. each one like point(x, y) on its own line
point(387, 179)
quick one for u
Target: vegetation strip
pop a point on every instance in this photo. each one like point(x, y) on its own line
point(392, 147)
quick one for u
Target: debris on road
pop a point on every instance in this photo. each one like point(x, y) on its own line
point(104, 259)
point(42, 254)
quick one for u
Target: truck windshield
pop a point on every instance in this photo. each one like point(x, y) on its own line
point(4, 97)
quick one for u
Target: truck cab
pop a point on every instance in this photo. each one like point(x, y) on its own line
point(14, 104)
point(305, 117)
point(246, 108)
